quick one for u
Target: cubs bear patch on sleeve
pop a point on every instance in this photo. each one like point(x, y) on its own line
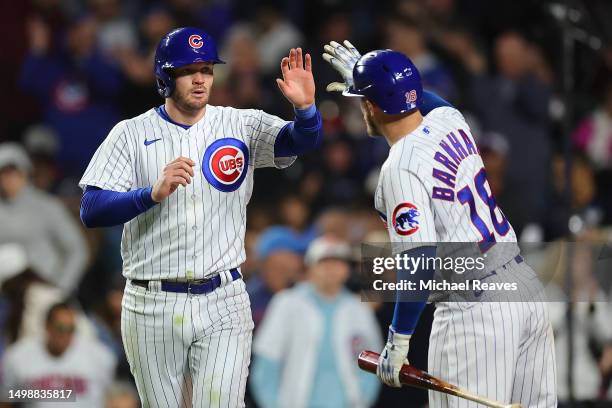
point(408, 207)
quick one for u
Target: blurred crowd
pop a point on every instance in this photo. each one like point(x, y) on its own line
point(73, 68)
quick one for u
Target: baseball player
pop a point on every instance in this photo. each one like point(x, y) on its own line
point(433, 189)
point(179, 178)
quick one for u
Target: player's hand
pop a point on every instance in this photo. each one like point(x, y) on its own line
point(298, 83)
point(393, 357)
point(176, 173)
point(343, 59)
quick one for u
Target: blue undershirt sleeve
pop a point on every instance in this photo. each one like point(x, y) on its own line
point(410, 304)
point(302, 135)
point(431, 101)
point(105, 208)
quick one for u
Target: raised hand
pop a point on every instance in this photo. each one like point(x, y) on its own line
point(297, 84)
point(342, 58)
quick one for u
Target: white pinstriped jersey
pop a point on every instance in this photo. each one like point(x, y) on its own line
point(433, 188)
point(198, 230)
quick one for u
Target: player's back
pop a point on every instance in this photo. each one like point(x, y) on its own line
point(443, 179)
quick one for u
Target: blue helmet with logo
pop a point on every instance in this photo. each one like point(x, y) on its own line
point(389, 79)
point(179, 47)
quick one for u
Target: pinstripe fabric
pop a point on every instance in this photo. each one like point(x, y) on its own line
point(502, 350)
point(407, 176)
point(199, 230)
point(186, 350)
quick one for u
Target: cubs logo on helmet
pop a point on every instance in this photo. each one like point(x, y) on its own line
point(195, 41)
point(225, 164)
point(405, 219)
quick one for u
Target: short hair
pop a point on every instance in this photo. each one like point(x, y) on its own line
point(56, 307)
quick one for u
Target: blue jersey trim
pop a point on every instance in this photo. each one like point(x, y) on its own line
point(161, 111)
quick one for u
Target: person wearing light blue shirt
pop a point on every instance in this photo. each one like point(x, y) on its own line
point(305, 351)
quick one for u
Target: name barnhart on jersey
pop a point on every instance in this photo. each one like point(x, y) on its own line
point(443, 285)
point(454, 149)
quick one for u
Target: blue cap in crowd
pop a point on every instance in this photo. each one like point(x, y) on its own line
point(278, 238)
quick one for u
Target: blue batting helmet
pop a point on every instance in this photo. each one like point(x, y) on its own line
point(179, 47)
point(389, 79)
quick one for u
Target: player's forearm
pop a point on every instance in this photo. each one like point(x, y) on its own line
point(104, 208)
point(302, 135)
point(408, 307)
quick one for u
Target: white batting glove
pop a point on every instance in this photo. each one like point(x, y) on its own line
point(342, 58)
point(393, 357)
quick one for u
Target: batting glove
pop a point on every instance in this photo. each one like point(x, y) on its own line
point(393, 357)
point(342, 58)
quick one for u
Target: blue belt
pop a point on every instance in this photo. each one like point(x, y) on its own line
point(199, 287)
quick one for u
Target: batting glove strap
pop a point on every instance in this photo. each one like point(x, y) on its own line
point(393, 357)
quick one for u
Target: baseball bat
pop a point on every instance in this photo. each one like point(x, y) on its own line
point(412, 376)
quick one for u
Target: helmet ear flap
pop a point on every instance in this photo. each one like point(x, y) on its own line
point(165, 86)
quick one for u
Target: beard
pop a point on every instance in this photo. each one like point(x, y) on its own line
point(187, 102)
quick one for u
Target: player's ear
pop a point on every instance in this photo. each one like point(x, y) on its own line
point(370, 107)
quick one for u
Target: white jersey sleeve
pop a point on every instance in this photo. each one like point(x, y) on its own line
point(407, 208)
point(263, 129)
point(111, 166)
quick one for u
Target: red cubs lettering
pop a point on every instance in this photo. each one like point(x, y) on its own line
point(227, 164)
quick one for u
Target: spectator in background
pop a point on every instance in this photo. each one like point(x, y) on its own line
point(279, 252)
point(585, 203)
point(17, 284)
point(311, 335)
point(493, 148)
point(405, 36)
point(106, 319)
point(38, 221)
point(121, 395)
point(342, 178)
point(60, 360)
point(275, 34)
point(213, 15)
point(115, 31)
point(42, 146)
point(594, 134)
point(592, 332)
point(294, 212)
point(136, 63)
point(243, 83)
point(26, 297)
point(77, 87)
point(515, 103)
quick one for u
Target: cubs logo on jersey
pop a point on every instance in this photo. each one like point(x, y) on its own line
point(225, 164)
point(405, 219)
point(195, 41)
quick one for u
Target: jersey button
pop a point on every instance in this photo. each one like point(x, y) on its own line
point(194, 197)
point(195, 227)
